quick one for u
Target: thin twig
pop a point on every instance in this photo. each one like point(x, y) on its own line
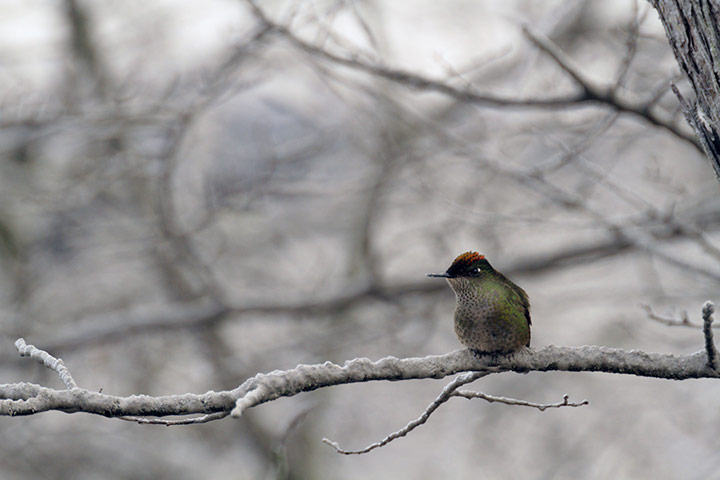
point(683, 321)
point(707, 312)
point(186, 421)
point(560, 57)
point(521, 403)
point(54, 364)
point(631, 44)
point(446, 394)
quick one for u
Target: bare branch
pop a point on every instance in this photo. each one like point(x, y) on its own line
point(707, 312)
point(54, 364)
point(451, 390)
point(575, 201)
point(147, 320)
point(84, 46)
point(670, 321)
point(631, 43)
point(447, 393)
point(522, 403)
point(608, 95)
point(141, 320)
point(555, 52)
point(590, 94)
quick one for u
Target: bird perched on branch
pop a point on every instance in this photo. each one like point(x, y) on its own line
point(492, 313)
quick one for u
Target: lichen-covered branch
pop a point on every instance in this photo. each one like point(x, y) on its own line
point(29, 399)
point(54, 364)
point(707, 313)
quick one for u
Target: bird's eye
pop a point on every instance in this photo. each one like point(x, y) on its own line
point(475, 271)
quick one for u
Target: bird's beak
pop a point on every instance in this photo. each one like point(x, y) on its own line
point(439, 275)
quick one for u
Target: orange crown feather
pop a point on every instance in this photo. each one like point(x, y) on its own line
point(467, 258)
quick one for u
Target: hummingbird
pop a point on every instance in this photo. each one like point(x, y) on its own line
point(492, 313)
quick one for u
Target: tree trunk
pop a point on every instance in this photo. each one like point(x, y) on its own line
point(693, 33)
